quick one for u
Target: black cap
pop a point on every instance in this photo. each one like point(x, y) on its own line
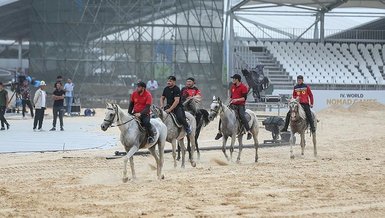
point(190, 78)
point(172, 78)
point(300, 77)
point(1, 83)
point(142, 84)
point(236, 76)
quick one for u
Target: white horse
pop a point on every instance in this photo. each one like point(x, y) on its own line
point(175, 133)
point(134, 139)
point(230, 127)
point(298, 124)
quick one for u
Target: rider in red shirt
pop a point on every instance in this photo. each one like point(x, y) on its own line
point(190, 90)
point(238, 100)
point(305, 95)
point(140, 103)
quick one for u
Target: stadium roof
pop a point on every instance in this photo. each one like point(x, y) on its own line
point(16, 22)
point(309, 4)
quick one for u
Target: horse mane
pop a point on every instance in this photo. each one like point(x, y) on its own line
point(192, 104)
point(301, 111)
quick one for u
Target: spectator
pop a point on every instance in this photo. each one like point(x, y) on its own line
point(3, 106)
point(39, 101)
point(26, 97)
point(58, 106)
point(59, 79)
point(69, 96)
point(152, 85)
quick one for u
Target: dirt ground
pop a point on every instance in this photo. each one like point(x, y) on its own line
point(347, 179)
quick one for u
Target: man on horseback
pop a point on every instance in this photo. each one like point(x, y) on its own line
point(140, 103)
point(238, 100)
point(172, 94)
point(305, 95)
point(190, 90)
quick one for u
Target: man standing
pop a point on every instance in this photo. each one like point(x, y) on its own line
point(238, 98)
point(69, 89)
point(26, 98)
point(173, 104)
point(3, 106)
point(39, 101)
point(58, 106)
point(140, 103)
point(305, 95)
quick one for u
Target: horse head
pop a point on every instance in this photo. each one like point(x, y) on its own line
point(192, 103)
point(157, 111)
point(296, 109)
point(111, 116)
point(215, 108)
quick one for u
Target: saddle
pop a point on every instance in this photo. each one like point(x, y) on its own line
point(141, 128)
point(175, 120)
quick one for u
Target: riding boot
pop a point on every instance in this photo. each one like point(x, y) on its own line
point(150, 134)
point(287, 121)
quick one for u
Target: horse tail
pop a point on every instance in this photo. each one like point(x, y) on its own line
point(255, 119)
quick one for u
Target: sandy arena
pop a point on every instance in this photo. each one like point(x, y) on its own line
point(347, 179)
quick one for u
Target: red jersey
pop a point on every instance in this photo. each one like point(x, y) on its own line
point(190, 92)
point(239, 92)
point(304, 93)
point(141, 100)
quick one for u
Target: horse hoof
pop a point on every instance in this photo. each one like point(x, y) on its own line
point(161, 177)
point(182, 166)
point(291, 156)
point(125, 180)
point(193, 164)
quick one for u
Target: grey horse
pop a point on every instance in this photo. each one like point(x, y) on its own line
point(298, 124)
point(175, 133)
point(134, 139)
point(230, 127)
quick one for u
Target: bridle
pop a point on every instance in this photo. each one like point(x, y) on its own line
point(216, 112)
point(116, 114)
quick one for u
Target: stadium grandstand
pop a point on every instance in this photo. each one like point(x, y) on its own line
point(106, 46)
point(337, 45)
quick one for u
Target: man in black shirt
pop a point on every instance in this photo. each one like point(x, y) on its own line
point(58, 105)
point(173, 104)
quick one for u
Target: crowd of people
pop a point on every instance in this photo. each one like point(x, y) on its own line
point(38, 103)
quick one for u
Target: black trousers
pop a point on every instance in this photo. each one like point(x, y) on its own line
point(39, 116)
point(145, 120)
point(309, 118)
point(58, 111)
point(2, 118)
point(26, 102)
point(181, 117)
point(241, 111)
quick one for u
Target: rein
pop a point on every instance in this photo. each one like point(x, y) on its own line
point(110, 122)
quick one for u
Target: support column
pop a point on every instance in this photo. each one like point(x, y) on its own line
point(316, 30)
point(322, 27)
point(20, 50)
point(230, 43)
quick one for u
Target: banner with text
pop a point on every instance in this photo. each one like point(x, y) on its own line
point(345, 98)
